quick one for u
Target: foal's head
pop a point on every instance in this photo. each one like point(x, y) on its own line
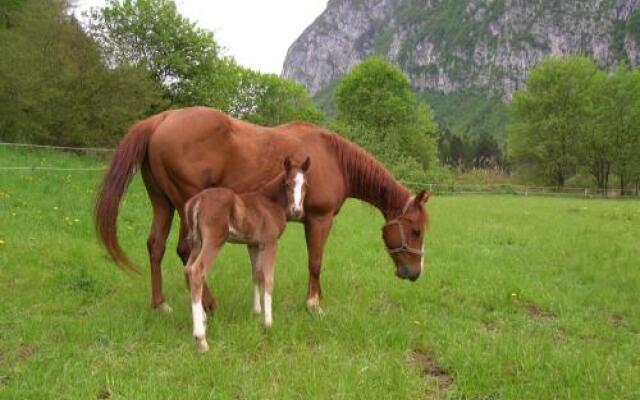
point(404, 237)
point(296, 186)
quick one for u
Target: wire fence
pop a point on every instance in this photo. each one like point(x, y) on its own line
point(521, 190)
point(435, 188)
point(100, 152)
point(65, 148)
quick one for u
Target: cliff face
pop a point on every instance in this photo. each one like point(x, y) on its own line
point(450, 45)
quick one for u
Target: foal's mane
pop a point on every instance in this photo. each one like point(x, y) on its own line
point(367, 179)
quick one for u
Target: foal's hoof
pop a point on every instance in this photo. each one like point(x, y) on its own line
point(315, 309)
point(203, 346)
point(165, 308)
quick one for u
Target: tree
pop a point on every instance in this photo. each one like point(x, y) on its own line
point(152, 34)
point(54, 87)
point(269, 100)
point(378, 109)
point(550, 115)
point(618, 117)
point(187, 62)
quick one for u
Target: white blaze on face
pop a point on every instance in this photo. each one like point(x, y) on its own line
point(297, 193)
point(198, 319)
point(422, 260)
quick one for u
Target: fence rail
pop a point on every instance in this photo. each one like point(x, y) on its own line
point(66, 148)
point(436, 188)
point(522, 190)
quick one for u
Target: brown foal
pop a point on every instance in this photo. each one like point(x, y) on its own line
point(257, 219)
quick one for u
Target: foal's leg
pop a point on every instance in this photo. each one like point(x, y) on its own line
point(162, 216)
point(197, 271)
point(316, 230)
point(208, 301)
point(256, 272)
point(267, 265)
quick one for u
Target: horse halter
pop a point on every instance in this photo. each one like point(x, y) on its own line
point(404, 247)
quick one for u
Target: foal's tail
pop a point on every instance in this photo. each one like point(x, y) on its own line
point(192, 214)
point(127, 159)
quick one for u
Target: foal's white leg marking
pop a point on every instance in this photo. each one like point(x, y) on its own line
point(313, 301)
point(313, 304)
point(198, 319)
point(267, 309)
point(257, 308)
point(297, 192)
point(198, 326)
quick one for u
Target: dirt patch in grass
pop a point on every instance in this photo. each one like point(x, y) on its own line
point(104, 393)
point(537, 312)
point(429, 368)
point(616, 320)
point(26, 351)
point(619, 322)
point(5, 379)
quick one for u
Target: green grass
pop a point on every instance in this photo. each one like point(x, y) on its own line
point(523, 298)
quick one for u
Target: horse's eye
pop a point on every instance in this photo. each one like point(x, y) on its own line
point(415, 233)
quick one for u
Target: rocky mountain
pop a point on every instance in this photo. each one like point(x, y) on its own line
point(457, 45)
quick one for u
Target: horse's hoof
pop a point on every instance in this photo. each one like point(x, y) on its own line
point(165, 308)
point(315, 309)
point(203, 346)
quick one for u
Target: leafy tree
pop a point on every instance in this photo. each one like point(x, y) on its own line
point(8, 11)
point(618, 116)
point(186, 61)
point(269, 100)
point(378, 109)
point(180, 56)
point(550, 117)
point(376, 94)
point(464, 152)
point(54, 87)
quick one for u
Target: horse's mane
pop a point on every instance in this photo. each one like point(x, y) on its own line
point(367, 179)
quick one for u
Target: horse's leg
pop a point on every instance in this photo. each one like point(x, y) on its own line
point(316, 230)
point(208, 301)
point(267, 261)
point(160, 226)
point(256, 272)
point(196, 270)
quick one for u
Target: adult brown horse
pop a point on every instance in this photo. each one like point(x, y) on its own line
point(181, 152)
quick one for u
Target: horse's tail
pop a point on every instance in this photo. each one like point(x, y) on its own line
point(127, 159)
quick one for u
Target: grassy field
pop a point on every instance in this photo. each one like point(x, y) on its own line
point(523, 298)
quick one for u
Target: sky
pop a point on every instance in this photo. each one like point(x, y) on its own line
point(257, 33)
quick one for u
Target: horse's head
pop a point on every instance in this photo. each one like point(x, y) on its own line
point(296, 186)
point(404, 237)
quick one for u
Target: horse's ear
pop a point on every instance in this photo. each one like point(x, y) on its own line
point(422, 197)
point(306, 164)
point(287, 164)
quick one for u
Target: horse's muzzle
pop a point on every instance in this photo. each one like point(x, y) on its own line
point(404, 272)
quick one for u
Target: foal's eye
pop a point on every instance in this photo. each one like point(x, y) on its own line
point(415, 233)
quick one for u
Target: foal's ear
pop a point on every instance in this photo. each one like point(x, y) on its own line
point(287, 164)
point(306, 164)
point(422, 197)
